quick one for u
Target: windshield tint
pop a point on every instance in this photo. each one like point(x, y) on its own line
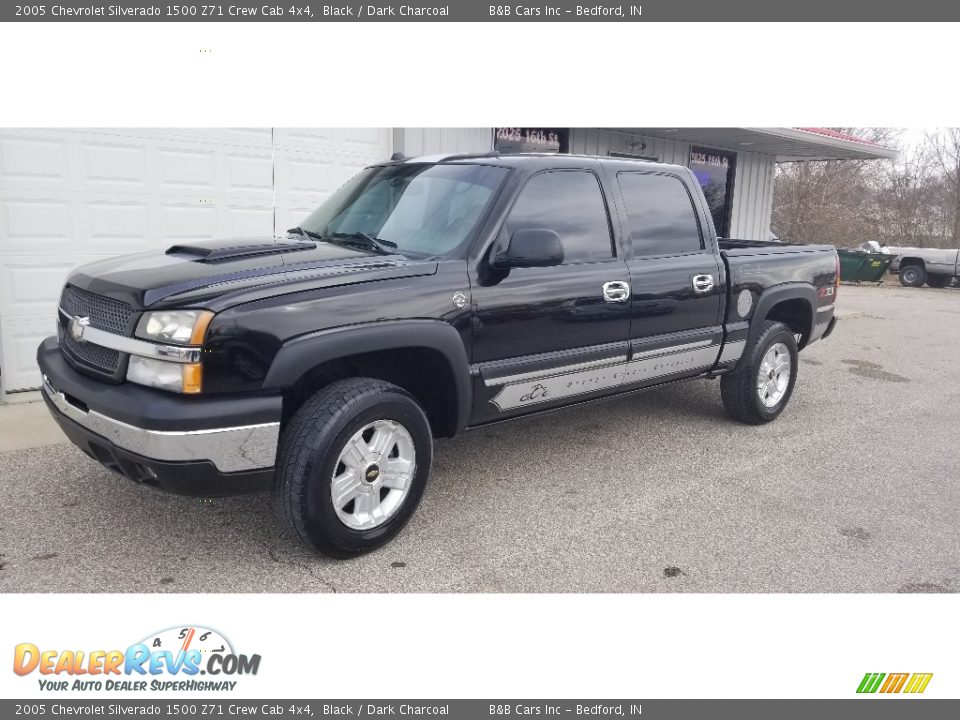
point(424, 209)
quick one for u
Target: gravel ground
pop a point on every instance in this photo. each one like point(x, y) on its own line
point(855, 489)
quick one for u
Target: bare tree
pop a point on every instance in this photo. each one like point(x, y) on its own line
point(945, 151)
point(904, 200)
point(832, 201)
point(914, 200)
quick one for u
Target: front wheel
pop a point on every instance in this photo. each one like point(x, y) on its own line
point(760, 389)
point(352, 466)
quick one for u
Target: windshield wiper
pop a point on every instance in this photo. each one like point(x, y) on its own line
point(305, 233)
point(384, 247)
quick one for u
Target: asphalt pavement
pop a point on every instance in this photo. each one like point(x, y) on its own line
point(856, 488)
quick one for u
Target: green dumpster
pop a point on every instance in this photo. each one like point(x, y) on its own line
point(860, 267)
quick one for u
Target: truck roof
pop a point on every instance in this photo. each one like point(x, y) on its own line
point(528, 159)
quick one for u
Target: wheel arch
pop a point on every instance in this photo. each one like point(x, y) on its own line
point(911, 260)
point(794, 305)
point(426, 358)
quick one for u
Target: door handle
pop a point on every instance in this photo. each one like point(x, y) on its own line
point(702, 283)
point(616, 291)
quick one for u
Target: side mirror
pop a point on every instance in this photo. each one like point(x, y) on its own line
point(533, 247)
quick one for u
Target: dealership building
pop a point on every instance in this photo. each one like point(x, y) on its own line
point(68, 197)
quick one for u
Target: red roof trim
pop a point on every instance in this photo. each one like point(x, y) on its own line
point(827, 132)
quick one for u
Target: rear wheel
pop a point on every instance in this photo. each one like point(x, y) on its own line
point(912, 276)
point(352, 467)
point(938, 281)
point(759, 391)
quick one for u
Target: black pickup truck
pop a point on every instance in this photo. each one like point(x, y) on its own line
point(425, 297)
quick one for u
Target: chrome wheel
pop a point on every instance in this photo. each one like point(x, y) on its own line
point(773, 377)
point(373, 474)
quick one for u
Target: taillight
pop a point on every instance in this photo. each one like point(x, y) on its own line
point(836, 279)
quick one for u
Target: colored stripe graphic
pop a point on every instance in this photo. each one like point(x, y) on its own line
point(918, 683)
point(894, 682)
point(870, 682)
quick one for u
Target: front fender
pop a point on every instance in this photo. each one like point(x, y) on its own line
point(300, 355)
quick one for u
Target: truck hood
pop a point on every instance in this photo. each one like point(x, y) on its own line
point(200, 272)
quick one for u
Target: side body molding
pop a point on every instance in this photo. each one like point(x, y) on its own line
point(300, 355)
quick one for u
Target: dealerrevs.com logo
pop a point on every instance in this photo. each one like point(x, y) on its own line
point(178, 659)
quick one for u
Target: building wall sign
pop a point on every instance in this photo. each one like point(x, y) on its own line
point(705, 158)
point(519, 140)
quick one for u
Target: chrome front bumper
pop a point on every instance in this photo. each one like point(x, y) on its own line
point(231, 449)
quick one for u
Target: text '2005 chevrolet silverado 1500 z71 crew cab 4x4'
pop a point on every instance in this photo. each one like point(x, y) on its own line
point(423, 298)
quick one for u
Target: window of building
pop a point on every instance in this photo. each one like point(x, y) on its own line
point(570, 203)
point(660, 213)
point(714, 170)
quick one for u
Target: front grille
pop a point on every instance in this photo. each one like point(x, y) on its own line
point(97, 356)
point(104, 313)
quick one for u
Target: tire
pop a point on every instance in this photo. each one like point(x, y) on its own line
point(912, 275)
point(336, 432)
point(938, 281)
point(743, 398)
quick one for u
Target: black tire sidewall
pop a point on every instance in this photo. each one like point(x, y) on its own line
point(326, 530)
point(781, 334)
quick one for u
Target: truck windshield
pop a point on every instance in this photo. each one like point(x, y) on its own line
point(425, 210)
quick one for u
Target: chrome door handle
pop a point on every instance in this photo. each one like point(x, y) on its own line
point(702, 283)
point(616, 291)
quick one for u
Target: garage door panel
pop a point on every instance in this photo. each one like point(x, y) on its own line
point(19, 340)
point(26, 222)
point(247, 222)
point(31, 285)
point(113, 163)
point(371, 144)
point(181, 167)
point(249, 172)
point(32, 159)
point(313, 173)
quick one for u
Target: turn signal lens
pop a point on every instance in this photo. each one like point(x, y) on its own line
point(192, 378)
point(200, 327)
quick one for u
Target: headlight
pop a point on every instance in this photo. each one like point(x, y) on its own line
point(182, 327)
point(178, 377)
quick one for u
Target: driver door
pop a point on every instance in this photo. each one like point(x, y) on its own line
point(543, 335)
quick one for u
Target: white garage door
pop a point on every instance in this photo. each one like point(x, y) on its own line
point(69, 197)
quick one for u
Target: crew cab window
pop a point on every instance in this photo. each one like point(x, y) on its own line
point(660, 213)
point(570, 203)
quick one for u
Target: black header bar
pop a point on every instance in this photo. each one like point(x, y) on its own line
point(483, 11)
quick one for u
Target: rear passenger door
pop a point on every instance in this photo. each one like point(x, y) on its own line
point(676, 280)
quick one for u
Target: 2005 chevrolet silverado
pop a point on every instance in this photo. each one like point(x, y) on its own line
point(425, 297)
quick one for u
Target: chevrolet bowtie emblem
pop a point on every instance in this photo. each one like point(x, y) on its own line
point(77, 326)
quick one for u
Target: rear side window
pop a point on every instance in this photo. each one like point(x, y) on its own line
point(660, 212)
point(570, 203)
